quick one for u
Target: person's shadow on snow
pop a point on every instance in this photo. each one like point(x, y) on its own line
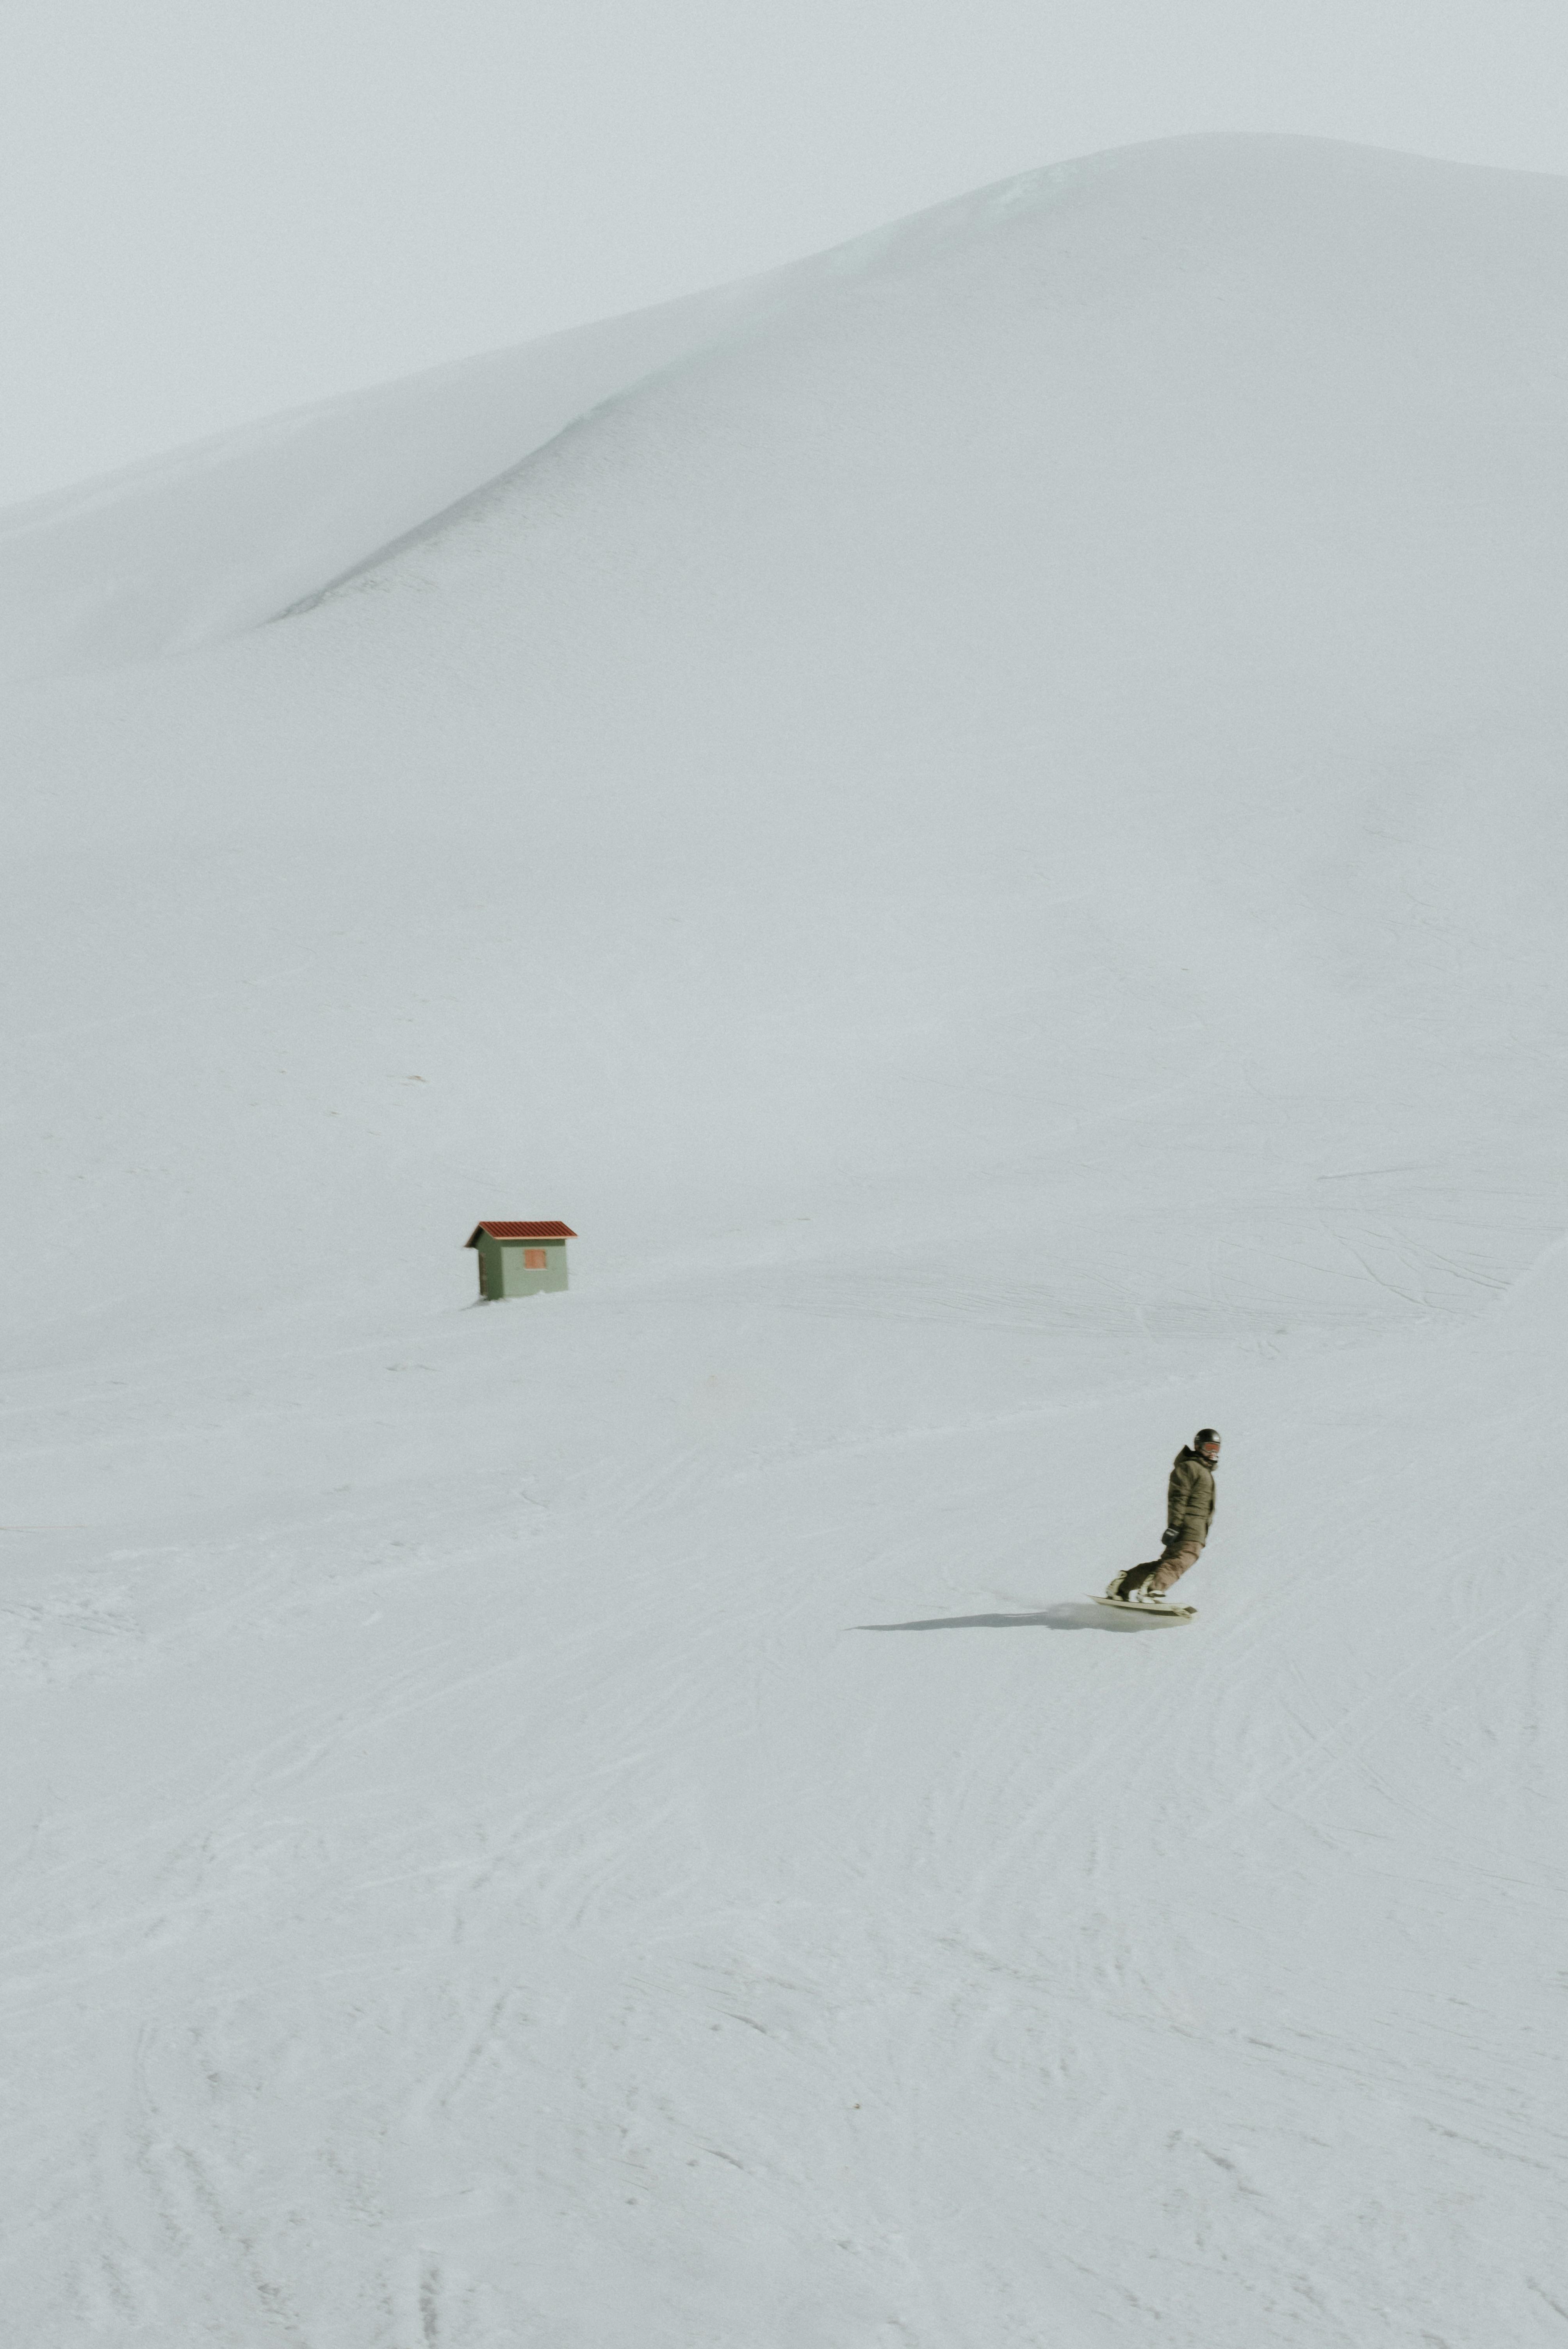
point(1067, 1615)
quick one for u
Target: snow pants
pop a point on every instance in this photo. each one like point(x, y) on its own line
point(1160, 1572)
point(1174, 1566)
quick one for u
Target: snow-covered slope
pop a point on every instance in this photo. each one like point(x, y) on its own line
point(993, 839)
point(218, 537)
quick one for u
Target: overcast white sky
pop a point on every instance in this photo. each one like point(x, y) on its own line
point(213, 209)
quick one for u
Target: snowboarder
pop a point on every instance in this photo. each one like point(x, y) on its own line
point(1188, 1513)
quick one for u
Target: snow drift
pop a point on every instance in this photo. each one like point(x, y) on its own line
point(990, 833)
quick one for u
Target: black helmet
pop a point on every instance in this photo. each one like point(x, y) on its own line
point(1205, 1435)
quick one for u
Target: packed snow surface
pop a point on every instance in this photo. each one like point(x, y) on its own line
point(989, 828)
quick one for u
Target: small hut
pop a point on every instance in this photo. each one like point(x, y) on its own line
point(520, 1259)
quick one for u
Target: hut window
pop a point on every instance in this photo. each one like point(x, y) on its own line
point(534, 1259)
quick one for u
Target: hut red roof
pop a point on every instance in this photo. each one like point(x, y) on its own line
point(521, 1232)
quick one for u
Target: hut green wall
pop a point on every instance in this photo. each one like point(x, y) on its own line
point(503, 1274)
point(517, 1282)
point(488, 1254)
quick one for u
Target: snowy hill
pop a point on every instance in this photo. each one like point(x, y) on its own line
point(988, 824)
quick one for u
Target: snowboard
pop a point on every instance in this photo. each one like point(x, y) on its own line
point(1150, 1607)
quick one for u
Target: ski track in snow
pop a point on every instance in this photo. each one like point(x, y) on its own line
point(887, 2016)
point(994, 840)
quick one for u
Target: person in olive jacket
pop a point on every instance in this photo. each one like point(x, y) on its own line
point(1189, 1514)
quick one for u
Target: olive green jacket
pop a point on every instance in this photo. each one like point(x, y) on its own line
point(1190, 1506)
